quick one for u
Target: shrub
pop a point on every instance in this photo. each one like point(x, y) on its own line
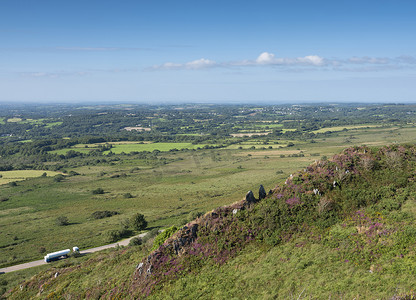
point(128, 195)
point(62, 221)
point(58, 178)
point(138, 222)
point(101, 214)
point(163, 236)
point(73, 173)
point(98, 191)
point(136, 241)
point(115, 235)
point(151, 234)
point(194, 215)
point(12, 183)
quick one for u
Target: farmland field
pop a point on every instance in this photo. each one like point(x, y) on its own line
point(127, 147)
point(18, 175)
point(340, 128)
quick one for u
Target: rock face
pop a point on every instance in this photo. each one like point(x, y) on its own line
point(262, 192)
point(161, 262)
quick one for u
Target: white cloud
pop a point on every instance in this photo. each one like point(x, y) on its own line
point(198, 64)
point(312, 59)
point(265, 58)
point(368, 60)
point(57, 74)
point(308, 62)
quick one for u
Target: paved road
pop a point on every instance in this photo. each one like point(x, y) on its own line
point(92, 250)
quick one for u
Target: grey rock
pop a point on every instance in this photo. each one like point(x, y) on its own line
point(262, 192)
point(149, 270)
point(250, 197)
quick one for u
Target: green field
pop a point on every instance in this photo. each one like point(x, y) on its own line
point(266, 125)
point(340, 128)
point(18, 175)
point(45, 122)
point(128, 147)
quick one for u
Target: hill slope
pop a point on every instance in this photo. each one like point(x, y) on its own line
point(340, 228)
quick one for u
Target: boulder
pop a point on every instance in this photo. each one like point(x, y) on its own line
point(262, 192)
point(250, 197)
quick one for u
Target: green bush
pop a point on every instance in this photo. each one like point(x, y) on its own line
point(151, 234)
point(62, 221)
point(136, 241)
point(115, 235)
point(163, 236)
point(98, 191)
point(194, 215)
point(58, 178)
point(103, 214)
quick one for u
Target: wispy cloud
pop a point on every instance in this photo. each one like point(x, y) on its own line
point(309, 62)
point(100, 49)
point(192, 65)
point(73, 49)
point(57, 74)
point(60, 74)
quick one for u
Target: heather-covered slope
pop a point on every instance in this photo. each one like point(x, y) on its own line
point(340, 228)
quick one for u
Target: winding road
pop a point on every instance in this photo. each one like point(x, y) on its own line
point(36, 263)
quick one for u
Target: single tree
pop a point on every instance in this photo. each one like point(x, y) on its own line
point(138, 222)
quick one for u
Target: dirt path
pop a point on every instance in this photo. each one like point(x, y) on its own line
point(87, 251)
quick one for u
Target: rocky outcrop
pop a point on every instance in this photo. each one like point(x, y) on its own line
point(249, 199)
point(262, 192)
point(162, 262)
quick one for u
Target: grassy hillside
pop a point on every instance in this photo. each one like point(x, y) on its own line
point(340, 228)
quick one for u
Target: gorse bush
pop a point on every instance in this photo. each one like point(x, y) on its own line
point(163, 236)
point(136, 241)
point(115, 235)
point(62, 221)
point(103, 214)
point(98, 191)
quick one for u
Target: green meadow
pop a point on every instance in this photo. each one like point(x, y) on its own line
point(19, 175)
point(341, 128)
point(128, 147)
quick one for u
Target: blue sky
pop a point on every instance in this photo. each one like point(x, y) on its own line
point(208, 51)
